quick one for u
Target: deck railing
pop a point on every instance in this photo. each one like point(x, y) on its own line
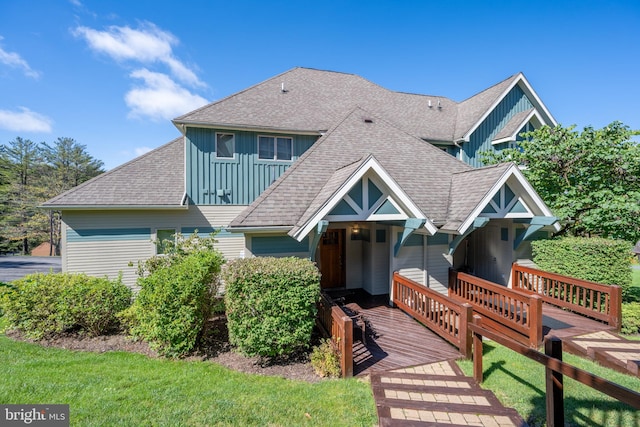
point(555, 369)
point(337, 325)
point(601, 302)
point(444, 316)
point(516, 314)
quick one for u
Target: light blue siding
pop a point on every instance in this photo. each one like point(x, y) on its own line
point(237, 181)
point(108, 234)
point(515, 102)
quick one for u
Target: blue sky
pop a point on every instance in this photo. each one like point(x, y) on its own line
point(112, 74)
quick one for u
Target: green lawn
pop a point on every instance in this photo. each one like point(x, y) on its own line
point(519, 382)
point(125, 389)
point(636, 278)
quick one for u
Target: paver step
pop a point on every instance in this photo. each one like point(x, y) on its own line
point(608, 349)
point(437, 394)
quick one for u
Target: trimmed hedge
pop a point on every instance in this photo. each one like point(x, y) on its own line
point(175, 301)
point(631, 318)
point(46, 305)
point(271, 304)
point(596, 259)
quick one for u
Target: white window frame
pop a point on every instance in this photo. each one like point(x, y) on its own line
point(275, 148)
point(233, 146)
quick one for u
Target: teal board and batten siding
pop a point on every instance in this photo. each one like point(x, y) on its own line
point(245, 176)
point(107, 243)
point(514, 102)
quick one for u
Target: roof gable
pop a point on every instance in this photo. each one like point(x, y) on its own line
point(155, 179)
point(473, 111)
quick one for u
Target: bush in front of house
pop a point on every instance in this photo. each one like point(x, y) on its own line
point(631, 318)
point(175, 301)
point(271, 304)
point(325, 360)
point(46, 305)
point(595, 259)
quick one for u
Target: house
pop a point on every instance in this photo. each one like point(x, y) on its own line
point(326, 165)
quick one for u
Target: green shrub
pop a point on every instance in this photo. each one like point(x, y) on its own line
point(174, 302)
point(595, 259)
point(325, 360)
point(44, 305)
point(630, 318)
point(175, 250)
point(271, 304)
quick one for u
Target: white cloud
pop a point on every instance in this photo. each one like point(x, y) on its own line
point(139, 151)
point(24, 120)
point(147, 44)
point(159, 97)
point(77, 3)
point(14, 60)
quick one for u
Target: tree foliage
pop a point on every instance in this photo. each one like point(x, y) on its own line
point(31, 173)
point(589, 179)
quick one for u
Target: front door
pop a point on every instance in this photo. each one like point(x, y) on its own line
point(332, 259)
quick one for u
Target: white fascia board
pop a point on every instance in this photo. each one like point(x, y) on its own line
point(513, 171)
point(510, 138)
point(358, 174)
point(531, 94)
point(112, 207)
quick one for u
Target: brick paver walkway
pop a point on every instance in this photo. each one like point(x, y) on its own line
point(608, 349)
point(437, 394)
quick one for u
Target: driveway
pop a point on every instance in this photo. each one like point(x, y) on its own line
point(16, 267)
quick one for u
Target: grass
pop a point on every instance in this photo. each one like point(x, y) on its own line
point(519, 382)
point(119, 388)
point(635, 282)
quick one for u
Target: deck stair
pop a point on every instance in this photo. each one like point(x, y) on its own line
point(608, 349)
point(437, 394)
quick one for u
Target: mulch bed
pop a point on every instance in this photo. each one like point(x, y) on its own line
point(214, 348)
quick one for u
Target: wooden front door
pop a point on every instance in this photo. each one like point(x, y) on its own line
point(332, 259)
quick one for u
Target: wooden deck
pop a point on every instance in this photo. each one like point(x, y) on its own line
point(564, 324)
point(393, 339)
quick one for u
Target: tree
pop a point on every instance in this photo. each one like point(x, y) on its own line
point(589, 179)
point(22, 193)
point(69, 165)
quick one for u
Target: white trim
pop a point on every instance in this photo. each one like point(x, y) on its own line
point(513, 137)
point(275, 148)
point(114, 207)
point(511, 171)
point(371, 164)
point(521, 80)
point(233, 145)
point(259, 230)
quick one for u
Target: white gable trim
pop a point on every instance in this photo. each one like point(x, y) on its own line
point(536, 203)
point(531, 94)
point(533, 114)
point(371, 164)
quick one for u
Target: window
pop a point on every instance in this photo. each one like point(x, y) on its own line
point(162, 238)
point(225, 145)
point(275, 148)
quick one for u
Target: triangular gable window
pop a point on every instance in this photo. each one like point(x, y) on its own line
point(506, 204)
point(369, 199)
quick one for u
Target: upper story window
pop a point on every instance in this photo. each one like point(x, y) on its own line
point(275, 148)
point(225, 145)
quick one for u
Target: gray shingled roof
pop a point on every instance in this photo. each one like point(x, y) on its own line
point(315, 100)
point(423, 171)
point(513, 125)
point(153, 179)
point(468, 188)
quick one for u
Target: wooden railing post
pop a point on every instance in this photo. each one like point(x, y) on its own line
point(615, 307)
point(535, 313)
point(464, 331)
point(346, 348)
point(514, 276)
point(477, 351)
point(554, 385)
